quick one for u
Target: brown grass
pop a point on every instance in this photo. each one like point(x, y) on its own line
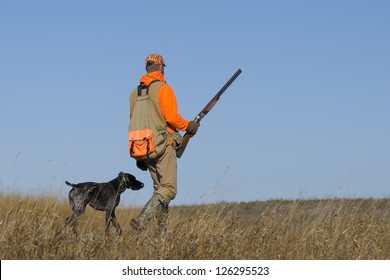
point(32, 228)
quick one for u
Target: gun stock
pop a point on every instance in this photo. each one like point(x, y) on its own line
point(206, 109)
point(184, 142)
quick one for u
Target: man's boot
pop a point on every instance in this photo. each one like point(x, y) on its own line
point(162, 220)
point(155, 206)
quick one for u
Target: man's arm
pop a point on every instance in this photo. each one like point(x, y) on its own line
point(169, 108)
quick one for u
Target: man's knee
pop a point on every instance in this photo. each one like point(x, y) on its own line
point(167, 192)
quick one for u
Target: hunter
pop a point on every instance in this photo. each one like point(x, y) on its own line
point(163, 108)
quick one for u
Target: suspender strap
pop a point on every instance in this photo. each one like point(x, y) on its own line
point(142, 86)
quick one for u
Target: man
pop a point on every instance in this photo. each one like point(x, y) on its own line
point(163, 170)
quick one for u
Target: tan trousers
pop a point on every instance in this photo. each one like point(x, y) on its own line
point(164, 174)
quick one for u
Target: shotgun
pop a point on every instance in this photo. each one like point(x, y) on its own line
point(200, 116)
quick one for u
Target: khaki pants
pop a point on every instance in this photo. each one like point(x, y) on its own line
point(164, 174)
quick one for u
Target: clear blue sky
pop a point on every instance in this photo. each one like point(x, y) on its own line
point(308, 117)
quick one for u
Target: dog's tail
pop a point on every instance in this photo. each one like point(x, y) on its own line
point(69, 184)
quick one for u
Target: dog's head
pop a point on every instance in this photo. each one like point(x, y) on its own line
point(128, 181)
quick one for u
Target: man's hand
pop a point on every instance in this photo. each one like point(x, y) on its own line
point(192, 128)
point(142, 165)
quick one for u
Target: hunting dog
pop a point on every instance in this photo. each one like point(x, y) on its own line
point(100, 196)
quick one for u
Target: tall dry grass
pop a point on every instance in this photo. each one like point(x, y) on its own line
point(32, 228)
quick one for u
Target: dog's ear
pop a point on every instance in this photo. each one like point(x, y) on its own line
point(120, 174)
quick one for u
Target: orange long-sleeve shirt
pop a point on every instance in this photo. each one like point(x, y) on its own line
point(168, 103)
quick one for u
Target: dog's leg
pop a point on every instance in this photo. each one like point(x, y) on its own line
point(72, 221)
point(67, 221)
point(77, 210)
point(116, 223)
point(108, 220)
point(111, 219)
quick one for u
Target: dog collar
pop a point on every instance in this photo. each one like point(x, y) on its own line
point(124, 181)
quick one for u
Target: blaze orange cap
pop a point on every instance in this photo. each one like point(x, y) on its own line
point(155, 59)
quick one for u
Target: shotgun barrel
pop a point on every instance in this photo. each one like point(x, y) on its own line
point(203, 113)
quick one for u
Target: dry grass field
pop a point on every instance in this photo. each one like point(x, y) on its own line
point(32, 229)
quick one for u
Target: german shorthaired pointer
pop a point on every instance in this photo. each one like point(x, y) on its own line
point(100, 196)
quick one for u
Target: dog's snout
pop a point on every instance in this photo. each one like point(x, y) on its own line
point(138, 185)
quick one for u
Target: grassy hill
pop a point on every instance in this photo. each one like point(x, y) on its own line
point(32, 228)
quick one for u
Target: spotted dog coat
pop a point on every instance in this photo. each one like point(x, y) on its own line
point(100, 196)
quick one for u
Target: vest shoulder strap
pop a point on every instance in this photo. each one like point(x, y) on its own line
point(142, 86)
